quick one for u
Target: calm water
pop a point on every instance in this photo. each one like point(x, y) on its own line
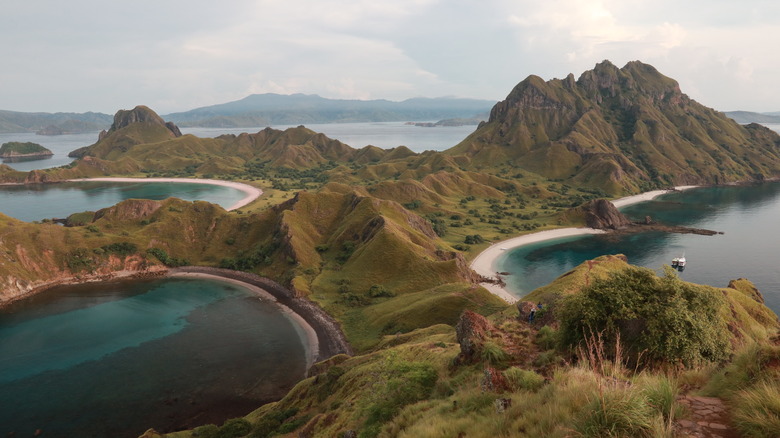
point(113, 359)
point(41, 201)
point(384, 135)
point(61, 145)
point(750, 247)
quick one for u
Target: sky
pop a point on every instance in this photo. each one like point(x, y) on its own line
point(176, 55)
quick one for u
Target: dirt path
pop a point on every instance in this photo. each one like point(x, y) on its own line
point(708, 418)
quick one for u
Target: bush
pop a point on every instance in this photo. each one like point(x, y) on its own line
point(659, 319)
point(546, 337)
point(520, 379)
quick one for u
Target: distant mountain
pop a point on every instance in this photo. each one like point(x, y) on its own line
point(745, 117)
point(53, 123)
point(276, 109)
point(622, 130)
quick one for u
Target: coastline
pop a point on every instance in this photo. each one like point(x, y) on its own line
point(309, 337)
point(319, 330)
point(251, 192)
point(484, 263)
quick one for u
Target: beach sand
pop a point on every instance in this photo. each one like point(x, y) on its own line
point(252, 193)
point(484, 263)
point(309, 338)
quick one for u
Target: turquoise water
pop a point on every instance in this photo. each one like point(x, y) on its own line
point(44, 201)
point(114, 359)
point(749, 247)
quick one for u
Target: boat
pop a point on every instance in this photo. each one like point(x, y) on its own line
point(679, 263)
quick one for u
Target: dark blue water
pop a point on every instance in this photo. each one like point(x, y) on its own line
point(44, 201)
point(750, 247)
point(113, 359)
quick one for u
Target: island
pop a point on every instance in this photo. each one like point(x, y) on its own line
point(27, 150)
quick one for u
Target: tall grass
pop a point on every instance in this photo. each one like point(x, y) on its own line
point(617, 412)
point(756, 410)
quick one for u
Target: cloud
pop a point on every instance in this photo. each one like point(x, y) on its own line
point(174, 55)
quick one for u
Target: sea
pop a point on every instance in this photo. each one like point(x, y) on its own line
point(33, 202)
point(384, 135)
point(113, 359)
point(748, 248)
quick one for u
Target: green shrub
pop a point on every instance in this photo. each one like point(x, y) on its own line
point(546, 337)
point(658, 319)
point(520, 379)
point(235, 428)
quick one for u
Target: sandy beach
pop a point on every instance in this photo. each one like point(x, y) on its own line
point(484, 263)
point(252, 193)
point(309, 338)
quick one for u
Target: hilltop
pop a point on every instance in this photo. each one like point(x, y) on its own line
point(622, 130)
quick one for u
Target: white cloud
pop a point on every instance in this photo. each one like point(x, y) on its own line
point(88, 55)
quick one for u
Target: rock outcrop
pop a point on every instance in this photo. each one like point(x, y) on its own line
point(603, 215)
point(472, 331)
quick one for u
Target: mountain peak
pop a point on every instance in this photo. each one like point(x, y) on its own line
point(141, 114)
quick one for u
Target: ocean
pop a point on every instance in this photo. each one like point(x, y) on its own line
point(749, 247)
point(114, 359)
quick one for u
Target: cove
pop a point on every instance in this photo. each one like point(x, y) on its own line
point(32, 202)
point(113, 359)
point(748, 248)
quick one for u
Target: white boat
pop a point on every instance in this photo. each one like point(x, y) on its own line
point(679, 263)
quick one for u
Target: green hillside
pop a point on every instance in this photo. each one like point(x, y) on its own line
point(380, 239)
point(622, 131)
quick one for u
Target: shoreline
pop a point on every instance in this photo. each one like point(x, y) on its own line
point(484, 263)
point(251, 192)
point(309, 337)
point(322, 332)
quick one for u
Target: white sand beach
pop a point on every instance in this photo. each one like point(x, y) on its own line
point(252, 193)
point(308, 335)
point(484, 263)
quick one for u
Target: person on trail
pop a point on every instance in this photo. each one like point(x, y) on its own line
point(531, 315)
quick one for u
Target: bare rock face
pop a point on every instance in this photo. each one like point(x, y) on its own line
point(493, 381)
point(472, 330)
point(603, 215)
point(141, 114)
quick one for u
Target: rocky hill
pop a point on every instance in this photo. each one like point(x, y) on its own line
point(621, 130)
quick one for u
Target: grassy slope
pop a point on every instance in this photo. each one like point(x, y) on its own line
point(411, 385)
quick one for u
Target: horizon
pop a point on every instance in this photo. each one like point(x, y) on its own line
point(78, 57)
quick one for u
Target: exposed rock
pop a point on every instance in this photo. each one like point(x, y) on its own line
point(502, 404)
point(493, 380)
point(603, 215)
point(472, 330)
point(141, 114)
